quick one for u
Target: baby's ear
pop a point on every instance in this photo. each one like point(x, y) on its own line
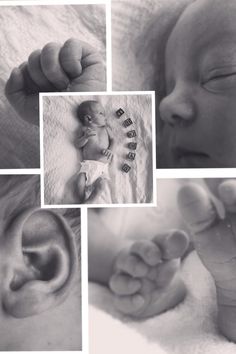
point(87, 118)
point(41, 262)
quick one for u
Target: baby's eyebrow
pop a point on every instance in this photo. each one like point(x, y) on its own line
point(221, 54)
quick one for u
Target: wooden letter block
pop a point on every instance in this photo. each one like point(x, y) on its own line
point(127, 122)
point(132, 146)
point(131, 134)
point(119, 112)
point(131, 155)
point(126, 168)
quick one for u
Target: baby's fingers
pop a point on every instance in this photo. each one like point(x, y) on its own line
point(21, 92)
point(131, 264)
point(93, 75)
point(148, 251)
point(122, 284)
point(51, 66)
point(129, 305)
point(70, 57)
point(36, 72)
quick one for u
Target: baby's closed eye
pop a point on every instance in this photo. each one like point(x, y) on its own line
point(220, 79)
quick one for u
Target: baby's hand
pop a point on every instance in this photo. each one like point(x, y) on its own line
point(75, 66)
point(108, 153)
point(89, 132)
point(145, 281)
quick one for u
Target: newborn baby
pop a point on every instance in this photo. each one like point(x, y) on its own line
point(97, 148)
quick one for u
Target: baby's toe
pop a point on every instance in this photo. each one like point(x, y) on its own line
point(164, 273)
point(148, 251)
point(123, 284)
point(227, 194)
point(129, 305)
point(131, 264)
point(174, 244)
point(197, 207)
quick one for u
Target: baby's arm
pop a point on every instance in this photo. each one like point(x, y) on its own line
point(109, 152)
point(87, 133)
point(143, 275)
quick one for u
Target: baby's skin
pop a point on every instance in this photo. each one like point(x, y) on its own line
point(73, 66)
point(146, 279)
point(96, 143)
point(215, 241)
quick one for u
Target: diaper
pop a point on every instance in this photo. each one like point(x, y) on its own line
point(93, 170)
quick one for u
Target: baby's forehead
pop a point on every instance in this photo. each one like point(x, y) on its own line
point(92, 105)
point(203, 25)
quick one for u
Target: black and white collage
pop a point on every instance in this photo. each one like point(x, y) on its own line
point(118, 176)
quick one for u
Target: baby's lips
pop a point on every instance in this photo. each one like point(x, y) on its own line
point(196, 207)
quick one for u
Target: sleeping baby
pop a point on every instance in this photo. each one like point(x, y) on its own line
point(97, 148)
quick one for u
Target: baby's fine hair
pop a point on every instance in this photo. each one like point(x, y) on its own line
point(84, 108)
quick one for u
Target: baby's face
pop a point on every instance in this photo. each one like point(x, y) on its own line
point(97, 114)
point(200, 106)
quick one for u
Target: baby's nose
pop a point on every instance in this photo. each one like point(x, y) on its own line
point(177, 108)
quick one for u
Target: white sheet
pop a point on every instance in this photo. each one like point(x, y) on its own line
point(22, 30)
point(61, 158)
point(188, 328)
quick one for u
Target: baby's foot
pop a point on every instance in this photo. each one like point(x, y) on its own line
point(215, 242)
point(98, 188)
point(146, 279)
point(73, 66)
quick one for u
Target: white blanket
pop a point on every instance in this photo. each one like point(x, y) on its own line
point(191, 327)
point(22, 30)
point(62, 159)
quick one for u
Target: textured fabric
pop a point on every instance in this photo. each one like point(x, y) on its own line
point(22, 30)
point(62, 159)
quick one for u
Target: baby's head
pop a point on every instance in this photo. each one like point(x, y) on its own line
point(199, 109)
point(91, 113)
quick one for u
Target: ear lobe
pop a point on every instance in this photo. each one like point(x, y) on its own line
point(42, 264)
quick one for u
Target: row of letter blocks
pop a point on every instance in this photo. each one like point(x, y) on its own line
point(131, 134)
